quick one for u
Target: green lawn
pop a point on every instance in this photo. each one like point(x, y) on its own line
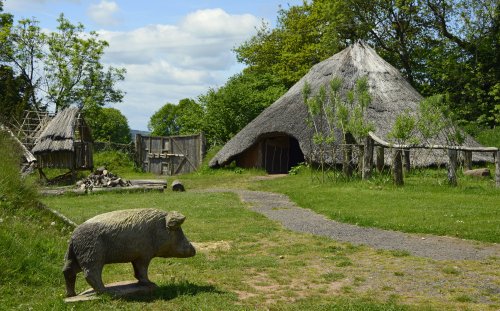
point(245, 261)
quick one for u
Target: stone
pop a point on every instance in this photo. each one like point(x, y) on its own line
point(480, 172)
point(133, 235)
point(117, 290)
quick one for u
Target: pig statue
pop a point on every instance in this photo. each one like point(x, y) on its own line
point(134, 235)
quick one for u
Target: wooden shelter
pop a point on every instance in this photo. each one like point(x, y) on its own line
point(66, 142)
point(170, 155)
point(280, 136)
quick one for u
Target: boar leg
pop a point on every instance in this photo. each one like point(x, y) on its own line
point(93, 277)
point(141, 271)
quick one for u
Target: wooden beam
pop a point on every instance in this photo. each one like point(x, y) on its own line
point(382, 142)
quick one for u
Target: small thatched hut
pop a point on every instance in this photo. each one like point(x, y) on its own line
point(66, 142)
point(280, 137)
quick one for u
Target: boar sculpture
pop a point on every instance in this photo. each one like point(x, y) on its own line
point(135, 235)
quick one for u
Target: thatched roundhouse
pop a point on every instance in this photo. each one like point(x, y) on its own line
point(280, 137)
point(66, 142)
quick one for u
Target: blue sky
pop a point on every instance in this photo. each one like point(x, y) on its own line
point(171, 49)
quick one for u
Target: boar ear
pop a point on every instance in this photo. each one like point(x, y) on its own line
point(174, 220)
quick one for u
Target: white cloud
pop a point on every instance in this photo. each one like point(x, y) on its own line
point(104, 12)
point(166, 63)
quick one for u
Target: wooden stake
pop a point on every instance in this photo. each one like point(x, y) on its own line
point(368, 158)
point(452, 167)
point(407, 160)
point(380, 159)
point(467, 160)
point(497, 169)
point(397, 167)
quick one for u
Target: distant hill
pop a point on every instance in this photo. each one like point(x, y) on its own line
point(135, 132)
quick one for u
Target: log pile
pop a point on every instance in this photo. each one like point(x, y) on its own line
point(102, 178)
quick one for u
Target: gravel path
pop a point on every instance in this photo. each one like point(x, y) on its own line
point(278, 207)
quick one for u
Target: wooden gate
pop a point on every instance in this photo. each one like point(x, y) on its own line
point(169, 155)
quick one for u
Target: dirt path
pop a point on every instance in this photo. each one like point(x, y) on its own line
point(280, 208)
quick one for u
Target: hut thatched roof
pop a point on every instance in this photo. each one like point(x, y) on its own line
point(391, 95)
point(59, 134)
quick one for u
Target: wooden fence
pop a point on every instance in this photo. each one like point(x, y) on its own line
point(169, 155)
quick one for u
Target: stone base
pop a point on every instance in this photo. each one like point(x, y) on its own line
point(118, 289)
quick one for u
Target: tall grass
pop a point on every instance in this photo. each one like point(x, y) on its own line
point(15, 192)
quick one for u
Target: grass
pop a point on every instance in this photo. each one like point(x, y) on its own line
point(423, 205)
point(244, 260)
point(267, 267)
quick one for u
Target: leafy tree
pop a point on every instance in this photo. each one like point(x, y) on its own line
point(441, 46)
point(109, 125)
point(12, 88)
point(228, 109)
point(73, 72)
point(61, 68)
point(304, 36)
point(190, 116)
point(23, 50)
point(165, 122)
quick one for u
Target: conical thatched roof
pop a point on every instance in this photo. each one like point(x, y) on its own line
point(391, 95)
point(59, 134)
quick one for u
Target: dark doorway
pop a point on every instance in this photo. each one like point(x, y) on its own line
point(280, 154)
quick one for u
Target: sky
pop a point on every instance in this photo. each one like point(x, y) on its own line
point(171, 49)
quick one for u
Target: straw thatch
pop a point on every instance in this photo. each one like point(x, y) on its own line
point(59, 134)
point(391, 95)
point(65, 142)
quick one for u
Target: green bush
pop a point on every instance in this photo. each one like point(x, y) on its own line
point(489, 137)
point(15, 191)
point(117, 162)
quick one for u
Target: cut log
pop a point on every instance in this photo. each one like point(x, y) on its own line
point(178, 186)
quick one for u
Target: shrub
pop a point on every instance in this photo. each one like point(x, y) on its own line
point(115, 161)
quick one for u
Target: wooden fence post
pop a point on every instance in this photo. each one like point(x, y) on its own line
point(452, 167)
point(368, 158)
point(497, 169)
point(407, 160)
point(380, 159)
point(467, 160)
point(397, 167)
point(347, 165)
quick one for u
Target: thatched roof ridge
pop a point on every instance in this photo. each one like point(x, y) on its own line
point(391, 95)
point(59, 134)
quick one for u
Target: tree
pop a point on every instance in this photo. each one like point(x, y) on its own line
point(164, 122)
point(12, 104)
point(228, 109)
point(304, 36)
point(184, 118)
point(109, 125)
point(441, 46)
point(61, 68)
